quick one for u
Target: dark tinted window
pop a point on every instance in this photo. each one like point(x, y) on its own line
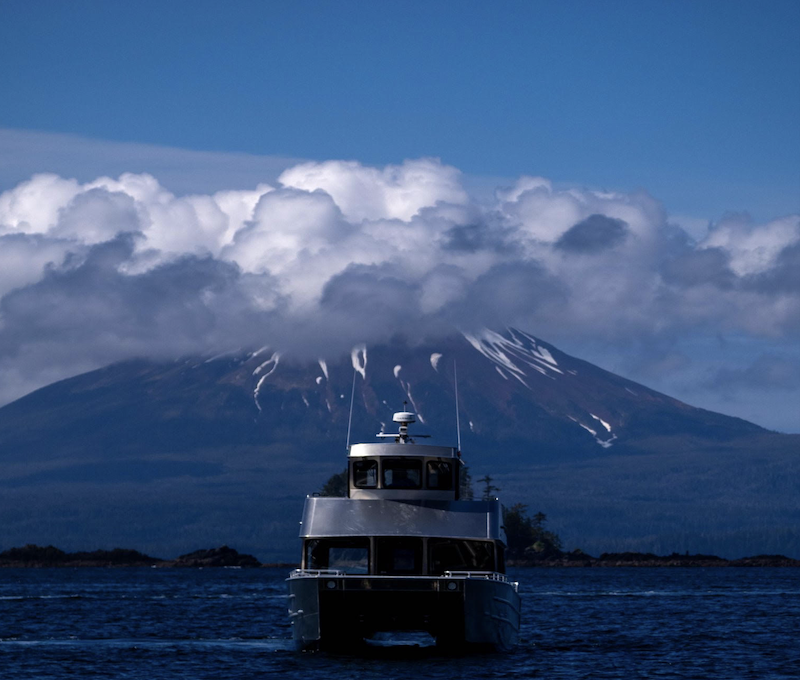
point(440, 475)
point(402, 473)
point(350, 555)
point(365, 474)
point(399, 556)
point(448, 554)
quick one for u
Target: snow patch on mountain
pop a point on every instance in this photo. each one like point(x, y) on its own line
point(435, 357)
point(272, 360)
point(232, 352)
point(602, 422)
point(515, 355)
point(261, 350)
point(359, 359)
point(319, 379)
point(585, 427)
point(324, 366)
point(397, 370)
point(407, 389)
point(605, 443)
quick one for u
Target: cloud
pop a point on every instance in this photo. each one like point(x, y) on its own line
point(595, 233)
point(692, 267)
point(366, 193)
point(110, 268)
point(753, 248)
point(767, 372)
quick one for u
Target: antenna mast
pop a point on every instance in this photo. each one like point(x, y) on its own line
point(458, 421)
point(350, 418)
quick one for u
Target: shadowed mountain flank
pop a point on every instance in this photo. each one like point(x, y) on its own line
point(215, 450)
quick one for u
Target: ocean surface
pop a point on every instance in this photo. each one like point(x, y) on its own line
point(231, 623)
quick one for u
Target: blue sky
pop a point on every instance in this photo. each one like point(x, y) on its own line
point(676, 122)
point(695, 101)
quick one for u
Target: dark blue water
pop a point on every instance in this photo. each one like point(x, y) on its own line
point(222, 623)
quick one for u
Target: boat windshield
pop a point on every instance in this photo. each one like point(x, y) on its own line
point(399, 556)
point(440, 475)
point(365, 473)
point(447, 554)
point(402, 473)
point(350, 555)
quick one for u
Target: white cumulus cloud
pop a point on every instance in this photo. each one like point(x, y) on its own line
point(110, 268)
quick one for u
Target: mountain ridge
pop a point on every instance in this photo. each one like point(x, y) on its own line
point(222, 449)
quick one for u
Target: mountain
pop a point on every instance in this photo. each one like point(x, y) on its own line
point(165, 457)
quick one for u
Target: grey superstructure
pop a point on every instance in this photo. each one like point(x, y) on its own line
point(402, 552)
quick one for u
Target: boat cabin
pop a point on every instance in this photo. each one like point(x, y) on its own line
point(402, 516)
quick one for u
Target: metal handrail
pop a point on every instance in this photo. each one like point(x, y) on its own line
point(487, 575)
point(297, 573)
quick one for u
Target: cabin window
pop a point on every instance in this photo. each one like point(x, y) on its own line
point(365, 473)
point(350, 555)
point(440, 475)
point(402, 473)
point(399, 556)
point(448, 554)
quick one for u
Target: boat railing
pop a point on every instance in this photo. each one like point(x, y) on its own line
point(488, 575)
point(297, 573)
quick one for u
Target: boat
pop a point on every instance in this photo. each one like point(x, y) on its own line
point(402, 552)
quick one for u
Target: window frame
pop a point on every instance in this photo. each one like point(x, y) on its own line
point(406, 464)
point(340, 542)
point(374, 465)
point(431, 462)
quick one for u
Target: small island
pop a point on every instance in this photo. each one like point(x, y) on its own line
point(50, 556)
point(531, 544)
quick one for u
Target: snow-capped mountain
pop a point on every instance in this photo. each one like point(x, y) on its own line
point(171, 456)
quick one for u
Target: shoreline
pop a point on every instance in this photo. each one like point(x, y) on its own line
point(579, 559)
point(37, 557)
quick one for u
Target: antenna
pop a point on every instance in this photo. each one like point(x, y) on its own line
point(458, 421)
point(350, 418)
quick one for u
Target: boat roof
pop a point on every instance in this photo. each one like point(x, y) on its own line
point(402, 449)
point(331, 517)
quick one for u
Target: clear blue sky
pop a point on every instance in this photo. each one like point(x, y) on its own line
point(695, 101)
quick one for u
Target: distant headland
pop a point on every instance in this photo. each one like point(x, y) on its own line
point(578, 558)
point(224, 556)
point(50, 556)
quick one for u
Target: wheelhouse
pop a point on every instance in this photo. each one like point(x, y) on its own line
point(396, 470)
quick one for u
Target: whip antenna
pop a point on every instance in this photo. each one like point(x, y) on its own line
point(458, 421)
point(350, 418)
